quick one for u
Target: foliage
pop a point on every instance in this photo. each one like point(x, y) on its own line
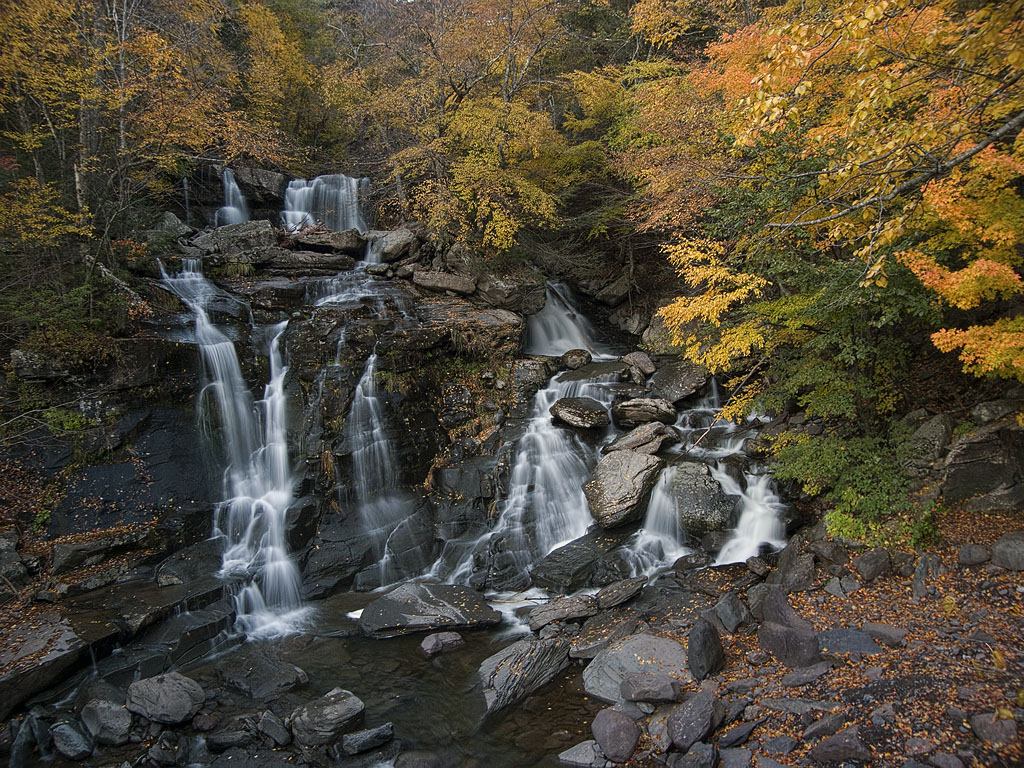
point(61, 421)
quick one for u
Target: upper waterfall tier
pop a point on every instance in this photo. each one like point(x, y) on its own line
point(334, 200)
point(234, 210)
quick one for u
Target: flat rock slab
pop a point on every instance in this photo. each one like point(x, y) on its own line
point(422, 607)
point(886, 634)
point(443, 281)
point(843, 642)
point(515, 672)
point(561, 609)
point(171, 698)
point(600, 631)
point(620, 592)
point(806, 675)
point(261, 674)
point(845, 745)
point(647, 438)
point(583, 755)
point(441, 642)
point(584, 412)
point(636, 654)
point(323, 720)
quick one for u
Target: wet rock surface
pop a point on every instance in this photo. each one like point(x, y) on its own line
point(421, 607)
point(619, 485)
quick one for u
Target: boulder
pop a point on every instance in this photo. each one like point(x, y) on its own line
point(1008, 552)
point(323, 720)
point(584, 412)
point(649, 686)
point(260, 673)
point(577, 564)
point(695, 719)
point(928, 443)
point(230, 242)
point(702, 755)
point(350, 242)
point(397, 244)
point(647, 438)
point(170, 698)
point(70, 741)
point(270, 725)
point(991, 730)
point(845, 745)
point(107, 721)
point(586, 754)
point(676, 379)
point(575, 359)
point(364, 741)
point(443, 281)
point(602, 630)
point(973, 554)
point(732, 613)
point(620, 592)
point(641, 361)
point(562, 608)
point(703, 505)
point(642, 410)
point(616, 733)
point(985, 460)
point(886, 634)
point(416, 607)
point(515, 672)
point(441, 642)
point(872, 564)
point(614, 293)
point(791, 646)
point(618, 489)
point(522, 292)
point(704, 652)
point(603, 677)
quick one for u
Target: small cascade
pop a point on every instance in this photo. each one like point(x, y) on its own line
point(258, 481)
point(560, 326)
point(234, 210)
point(334, 200)
point(373, 489)
point(659, 542)
point(760, 519)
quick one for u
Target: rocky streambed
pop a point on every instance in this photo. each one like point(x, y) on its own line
point(648, 616)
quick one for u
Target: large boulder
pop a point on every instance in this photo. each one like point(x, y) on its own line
point(676, 379)
point(574, 565)
point(224, 243)
point(1008, 552)
point(350, 242)
point(985, 460)
point(647, 438)
point(641, 410)
point(171, 698)
point(636, 654)
point(703, 505)
point(107, 721)
point(322, 721)
point(515, 672)
point(521, 292)
point(927, 443)
point(397, 244)
point(619, 487)
point(616, 733)
point(421, 607)
point(695, 719)
point(443, 281)
point(585, 412)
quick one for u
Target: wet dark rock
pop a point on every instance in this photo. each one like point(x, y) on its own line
point(107, 722)
point(572, 566)
point(271, 726)
point(323, 720)
point(695, 719)
point(845, 745)
point(441, 642)
point(642, 410)
point(824, 726)
point(575, 359)
point(600, 631)
point(806, 674)
point(620, 592)
point(619, 487)
point(641, 361)
point(222, 741)
point(261, 674)
point(185, 565)
point(692, 562)
point(732, 613)
point(70, 741)
point(646, 438)
point(170, 698)
point(419, 607)
point(443, 281)
point(299, 263)
point(757, 566)
point(991, 730)
point(584, 412)
point(677, 379)
point(583, 755)
point(349, 242)
point(973, 554)
point(872, 564)
point(649, 686)
point(636, 654)
point(1008, 552)
point(780, 745)
point(341, 549)
point(364, 741)
point(703, 505)
point(562, 608)
point(738, 735)
point(616, 734)
point(886, 634)
point(837, 643)
point(205, 722)
point(799, 576)
point(515, 672)
point(734, 758)
point(704, 652)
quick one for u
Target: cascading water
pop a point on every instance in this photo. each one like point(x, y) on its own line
point(234, 210)
point(258, 482)
point(560, 326)
point(333, 200)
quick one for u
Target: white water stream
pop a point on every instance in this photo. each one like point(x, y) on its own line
point(234, 210)
point(258, 480)
point(334, 200)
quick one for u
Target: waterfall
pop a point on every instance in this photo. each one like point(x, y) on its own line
point(234, 210)
point(560, 326)
point(382, 506)
point(659, 541)
point(759, 520)
point(334, 200)
point(258, 481)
